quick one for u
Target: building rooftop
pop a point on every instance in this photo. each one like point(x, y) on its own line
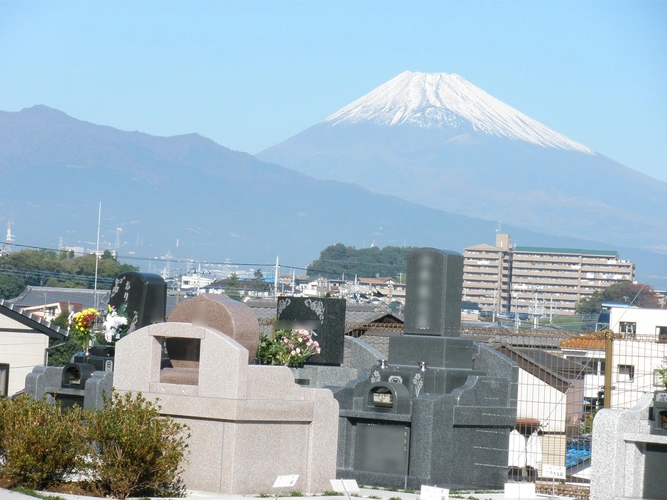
point(573, 251)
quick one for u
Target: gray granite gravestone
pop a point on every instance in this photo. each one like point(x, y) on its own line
point(74, 384)
point(440, 409)
point(324, 316)
point(628, 456)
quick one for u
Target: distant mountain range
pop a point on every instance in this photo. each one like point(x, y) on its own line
point(198, 200)
point(438, 140)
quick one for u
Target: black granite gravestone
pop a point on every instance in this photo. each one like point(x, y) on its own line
point(144, 296)
point(324, 316)
point(430, 415)
point(433, 306)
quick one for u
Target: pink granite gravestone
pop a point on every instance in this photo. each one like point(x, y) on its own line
point(234, 319)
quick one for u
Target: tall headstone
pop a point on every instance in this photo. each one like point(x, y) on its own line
point(324, 316)
point(433, 313)
point(433, 304)
point(144, 296)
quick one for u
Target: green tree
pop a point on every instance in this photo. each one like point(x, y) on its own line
point(257, 283)
point(10, 286)
point(637, 294)
point(233, 285)
point(42, 267)
point(338, 259)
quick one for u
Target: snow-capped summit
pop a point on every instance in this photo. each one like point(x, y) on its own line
point(442, 100)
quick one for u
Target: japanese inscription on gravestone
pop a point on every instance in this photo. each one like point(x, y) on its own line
point(144, 296)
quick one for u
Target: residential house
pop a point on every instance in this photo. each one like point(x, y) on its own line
point(638, 349)
point(24, 339)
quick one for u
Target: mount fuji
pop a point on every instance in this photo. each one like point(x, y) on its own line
point(440, 141)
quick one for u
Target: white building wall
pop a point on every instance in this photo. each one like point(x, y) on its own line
point(647, 320)
point(22, 350)
point(644, 358)
point(542, 402)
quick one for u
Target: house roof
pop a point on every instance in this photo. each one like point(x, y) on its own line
point(40, 295)
point(377, 281)
point(589, 341)
point(485, 246)
point(32, 321)
point(538, 363)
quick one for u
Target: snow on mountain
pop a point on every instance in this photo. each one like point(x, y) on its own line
point(442, 100)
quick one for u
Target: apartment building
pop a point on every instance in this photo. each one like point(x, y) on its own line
point(537, 280)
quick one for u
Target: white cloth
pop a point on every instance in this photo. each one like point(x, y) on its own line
point(533, 450)
point(517, 450)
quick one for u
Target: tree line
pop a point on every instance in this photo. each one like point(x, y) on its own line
point(58, 269)
point(338, 260)
point(626, 292)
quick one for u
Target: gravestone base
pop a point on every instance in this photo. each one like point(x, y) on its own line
point(324, 376)
point(360, 357)
point(47, 381)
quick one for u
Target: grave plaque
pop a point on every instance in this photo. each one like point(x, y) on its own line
point(144, 296)
point(324, 316)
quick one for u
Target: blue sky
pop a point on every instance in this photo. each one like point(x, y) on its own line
point(251, 74)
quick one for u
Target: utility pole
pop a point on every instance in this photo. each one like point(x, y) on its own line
point(275, 279)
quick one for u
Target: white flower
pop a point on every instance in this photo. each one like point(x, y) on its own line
point(112, 326)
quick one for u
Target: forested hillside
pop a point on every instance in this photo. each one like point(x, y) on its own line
point(338, 260)
point(51, 268)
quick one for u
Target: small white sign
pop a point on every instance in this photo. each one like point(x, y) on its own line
point(344, 485)
point(285, 481)
point(433, 493)
point(553, 471)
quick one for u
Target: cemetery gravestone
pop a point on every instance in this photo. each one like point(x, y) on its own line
point(228, 316)
point(144, 296)
point(428, 416)
point(248, 423)
point(324, 316)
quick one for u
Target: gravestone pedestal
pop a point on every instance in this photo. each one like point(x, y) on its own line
point(627, 460)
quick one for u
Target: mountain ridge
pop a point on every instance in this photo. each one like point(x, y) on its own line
point(194, 199)
point(566, 191)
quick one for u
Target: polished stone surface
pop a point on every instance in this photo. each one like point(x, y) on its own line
point(433, 293)
point(324, 316)
point(218, 311)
